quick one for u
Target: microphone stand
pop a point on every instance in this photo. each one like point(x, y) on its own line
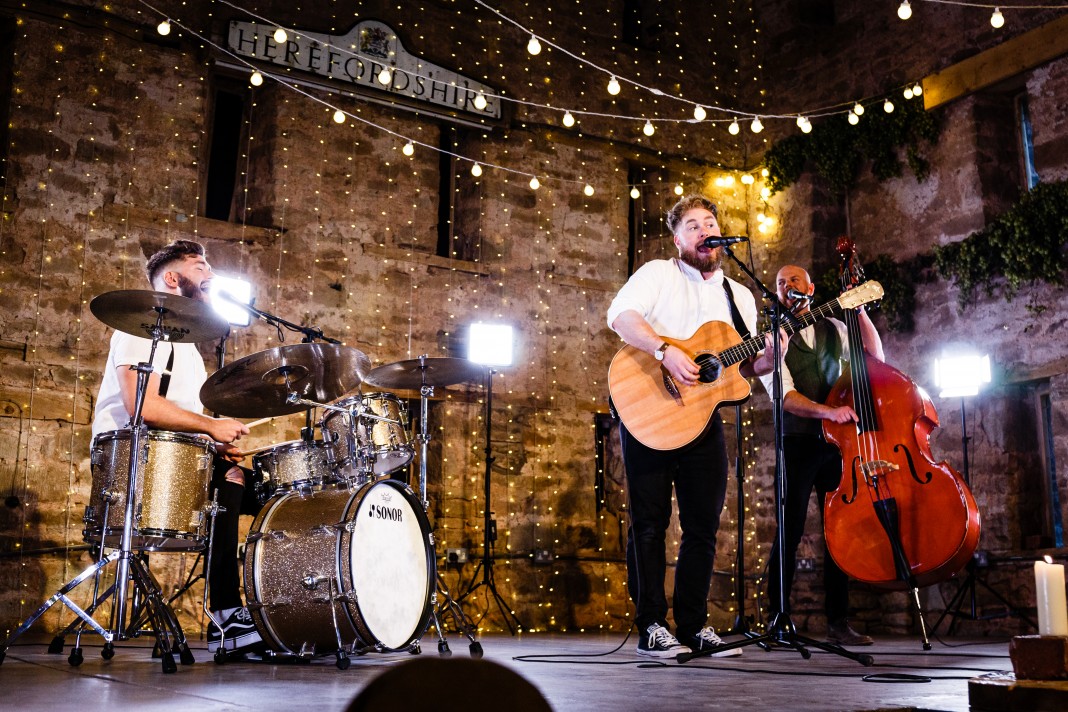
point(781, 630)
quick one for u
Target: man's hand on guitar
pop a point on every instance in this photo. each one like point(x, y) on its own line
point(681, 366)
point(764, 362)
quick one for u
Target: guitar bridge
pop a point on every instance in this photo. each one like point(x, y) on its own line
point(670, 385)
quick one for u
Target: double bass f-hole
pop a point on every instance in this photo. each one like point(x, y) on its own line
point(912, 467)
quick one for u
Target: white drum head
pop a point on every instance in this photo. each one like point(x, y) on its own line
point(390, 568)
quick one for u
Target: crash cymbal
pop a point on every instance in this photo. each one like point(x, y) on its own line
point(259, 385)
point(134, 311)
point(412, 374)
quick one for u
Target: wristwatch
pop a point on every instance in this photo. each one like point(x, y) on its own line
point(659, 353)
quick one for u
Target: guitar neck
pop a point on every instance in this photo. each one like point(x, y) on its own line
point(791, 325)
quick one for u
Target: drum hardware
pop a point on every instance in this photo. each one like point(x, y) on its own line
point(162, 317)
point(425, 374)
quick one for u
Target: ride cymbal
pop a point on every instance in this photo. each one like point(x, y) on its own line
point(414, 373)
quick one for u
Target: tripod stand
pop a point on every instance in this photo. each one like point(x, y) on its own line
point(781, 629)
point(977, 563)
point(187, 320)
point(489, 530)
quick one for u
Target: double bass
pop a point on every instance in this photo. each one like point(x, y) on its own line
point(898, 520)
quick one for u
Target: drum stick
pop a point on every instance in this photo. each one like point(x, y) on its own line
point(261, 421)
point(254, 451)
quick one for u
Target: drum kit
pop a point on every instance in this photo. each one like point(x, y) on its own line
point(340, 558)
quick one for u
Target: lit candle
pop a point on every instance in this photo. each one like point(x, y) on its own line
point(1049, 589)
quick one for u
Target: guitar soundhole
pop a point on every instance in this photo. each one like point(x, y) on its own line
point(710, 366)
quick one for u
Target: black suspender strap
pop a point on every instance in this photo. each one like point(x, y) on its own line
point(736, 317)
point(165, 379)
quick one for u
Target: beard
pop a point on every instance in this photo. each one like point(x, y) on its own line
point(710, 263)
point(188, 289)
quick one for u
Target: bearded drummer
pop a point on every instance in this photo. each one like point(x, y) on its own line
point(172, 403)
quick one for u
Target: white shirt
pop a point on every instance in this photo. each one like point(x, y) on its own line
point(676, 300)
point(187, 376)
point(808, 335)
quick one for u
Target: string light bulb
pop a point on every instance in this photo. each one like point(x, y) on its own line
point(699, 112)
point(613, 86)
point(888, 106)
point(164, 28)
point(635, 193)
point(734, 128)
point(480, 101)
point(569, 120)
point(858, 109)
point(256, 79)
point(339, 117)
point(533, 46)
point(409, 149)
point(853, 118)
point(678, 189)
point(756, 126)
point(997, 20)
point(748, 179)
point(804, 124)
point(385, 76)
point(588, 190)
point(476, 170)
point(917, 89)
point(907, 93)
point(904, 10)
point(280, 35)
point(648, 129)
point(534, 183)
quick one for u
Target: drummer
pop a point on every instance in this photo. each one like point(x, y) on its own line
point(172, 403)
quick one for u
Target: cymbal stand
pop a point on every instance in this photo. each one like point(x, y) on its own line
point(448, 603)
point(164, 621)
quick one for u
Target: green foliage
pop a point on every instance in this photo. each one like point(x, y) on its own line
point(1024, 245)
point(836, 149)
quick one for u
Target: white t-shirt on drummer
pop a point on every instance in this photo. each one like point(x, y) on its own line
point(187, 376)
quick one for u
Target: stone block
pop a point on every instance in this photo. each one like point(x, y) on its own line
point(1039, 657)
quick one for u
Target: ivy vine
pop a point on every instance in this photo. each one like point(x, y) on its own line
point(836, 149)
point(1023, 245)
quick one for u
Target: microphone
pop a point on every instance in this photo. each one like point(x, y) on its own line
point(797, 296)
point(722, 241)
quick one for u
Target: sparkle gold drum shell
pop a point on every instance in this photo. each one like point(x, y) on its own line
point(292, 465)
point(378, 446)
point(171, 497)
point(339, 569)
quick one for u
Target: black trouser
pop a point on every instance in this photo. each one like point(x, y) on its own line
point(699, 475)
point(811, 464)
point(225, 575)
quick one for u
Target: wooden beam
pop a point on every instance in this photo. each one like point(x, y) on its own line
point(1020, 54)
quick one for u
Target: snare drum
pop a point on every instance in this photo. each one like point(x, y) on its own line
point(364, 577)
point(378, 446)
point(293, 465)
point(171, 497)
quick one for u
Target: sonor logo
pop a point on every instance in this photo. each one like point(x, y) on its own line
point(394, 514)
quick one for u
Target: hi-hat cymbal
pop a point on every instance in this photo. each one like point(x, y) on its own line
point(134, 311)
point(259, 385)
point(414, 374)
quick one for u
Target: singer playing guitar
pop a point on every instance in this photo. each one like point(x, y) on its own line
point(673, 298)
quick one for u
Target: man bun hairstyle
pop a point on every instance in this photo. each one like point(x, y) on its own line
point(685, 204)
point(164, 257)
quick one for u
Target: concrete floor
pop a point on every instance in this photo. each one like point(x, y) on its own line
point(585, 676)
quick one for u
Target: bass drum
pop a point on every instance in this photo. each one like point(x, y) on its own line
point(340, 570)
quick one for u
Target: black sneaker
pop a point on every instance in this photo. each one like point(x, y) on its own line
point(706, 638)
point(657, 642)
point(238, 630)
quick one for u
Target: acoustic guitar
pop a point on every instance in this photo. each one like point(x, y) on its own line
point(663, 414)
